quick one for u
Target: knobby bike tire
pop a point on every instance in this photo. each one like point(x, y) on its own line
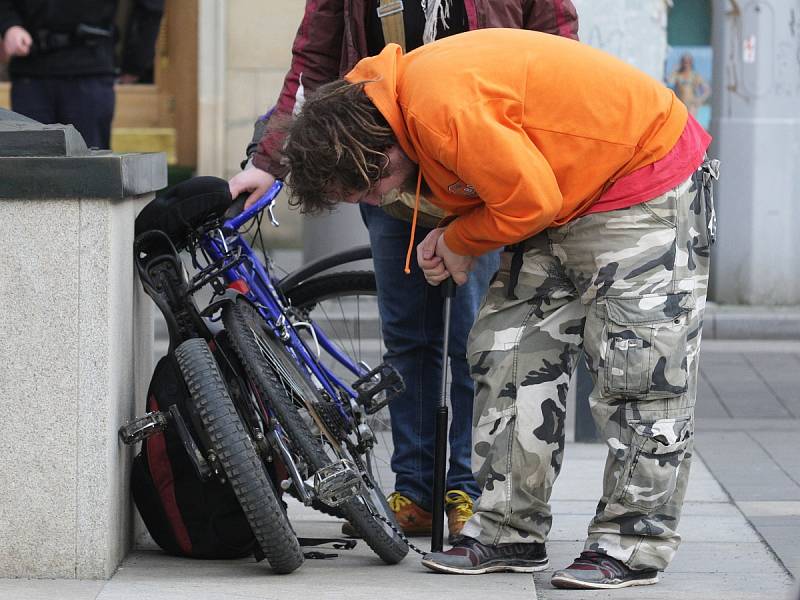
point(271, 376)
point(238, 457)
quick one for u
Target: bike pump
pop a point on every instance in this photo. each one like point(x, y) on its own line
point(440, 449)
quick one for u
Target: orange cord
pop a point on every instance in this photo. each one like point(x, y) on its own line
point(407, 268)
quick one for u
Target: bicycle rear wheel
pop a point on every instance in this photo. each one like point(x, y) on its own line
point(237, 455)
point(310, 422)
point(345, 306)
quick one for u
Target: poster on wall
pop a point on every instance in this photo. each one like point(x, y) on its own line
point(688, 73)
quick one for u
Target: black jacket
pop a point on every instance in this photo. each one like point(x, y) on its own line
point(78, 37)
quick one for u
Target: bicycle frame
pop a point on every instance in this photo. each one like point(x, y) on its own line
point(250, 277)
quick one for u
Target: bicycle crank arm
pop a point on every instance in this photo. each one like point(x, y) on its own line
point(201, 466)
point(337, 483)
point(301, 486)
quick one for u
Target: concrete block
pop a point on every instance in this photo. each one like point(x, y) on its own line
point(40, 272)
point(75, 335)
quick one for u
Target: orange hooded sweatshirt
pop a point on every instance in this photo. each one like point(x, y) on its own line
point(516, 131)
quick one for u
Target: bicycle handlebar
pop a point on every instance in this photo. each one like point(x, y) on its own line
point(234, 221)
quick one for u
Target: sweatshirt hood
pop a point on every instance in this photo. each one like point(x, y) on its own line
point(383, 71)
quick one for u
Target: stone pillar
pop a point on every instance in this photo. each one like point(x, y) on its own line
point(211, 88)
point(76, 345)
point(756, 129)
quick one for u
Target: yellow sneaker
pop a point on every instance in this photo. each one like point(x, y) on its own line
point(459, 509)
point(412, 519)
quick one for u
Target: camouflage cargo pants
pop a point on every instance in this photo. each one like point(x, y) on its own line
point(629, 287)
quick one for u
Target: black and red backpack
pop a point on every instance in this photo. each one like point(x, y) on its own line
point(184, 514)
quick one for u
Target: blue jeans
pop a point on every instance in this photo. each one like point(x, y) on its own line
point(411, 315)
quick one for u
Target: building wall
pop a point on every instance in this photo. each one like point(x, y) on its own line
point(634, 30)
point(245, 50)
point(756, 129)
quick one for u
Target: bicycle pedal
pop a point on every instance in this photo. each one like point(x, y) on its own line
point(143, 427)
point(337, 483)
point(378, 387)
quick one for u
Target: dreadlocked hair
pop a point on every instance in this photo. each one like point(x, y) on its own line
point(336, 146)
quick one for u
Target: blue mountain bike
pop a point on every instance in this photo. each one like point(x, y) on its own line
point(273, 391)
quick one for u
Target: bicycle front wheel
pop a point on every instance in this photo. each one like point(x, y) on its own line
point(237, 455)
point(310, 423)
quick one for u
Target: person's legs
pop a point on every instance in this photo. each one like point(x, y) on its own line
point(465, 307)
point(408, 314)
point(34, 98)
point(645, 270)
point(88, 104)
point(638, 276)
point(522, 350)
point(411, 315)
point(461, 486)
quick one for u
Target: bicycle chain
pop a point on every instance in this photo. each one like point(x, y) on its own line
point(396, 529)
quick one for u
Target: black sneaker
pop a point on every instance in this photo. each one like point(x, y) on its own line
point(469, 557)
point(595, 571)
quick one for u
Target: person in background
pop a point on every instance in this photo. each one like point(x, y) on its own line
point(62, 59)
point(599, 191)
point(689, 85)
point(332, 37)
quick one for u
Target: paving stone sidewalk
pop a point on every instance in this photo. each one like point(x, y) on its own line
point(741, 522)
point(720, 555)
point(748, 433)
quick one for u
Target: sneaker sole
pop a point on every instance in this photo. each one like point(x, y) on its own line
point(576, 584)
point(439, 568)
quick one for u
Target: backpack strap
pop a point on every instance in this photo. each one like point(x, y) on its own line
point(391, 16)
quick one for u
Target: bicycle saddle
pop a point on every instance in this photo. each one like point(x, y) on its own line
point(180, 209)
